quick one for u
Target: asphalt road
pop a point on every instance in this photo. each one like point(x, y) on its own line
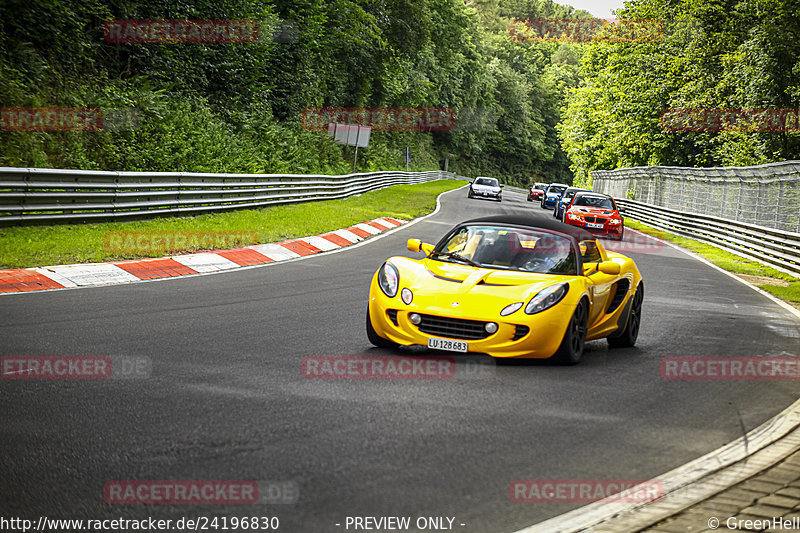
point(225, 398)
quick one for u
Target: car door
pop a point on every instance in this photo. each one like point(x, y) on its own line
point(599, 284)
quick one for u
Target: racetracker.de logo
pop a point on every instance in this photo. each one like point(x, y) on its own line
point(584, 490)
point(755, 120)
point(74, 367)
point(155, 241)
point(51, 119)
point(200, 492)
point(730, 368)
point(380, 118)
point(585, 30)
point(377, 367)
point(180, 31)
point(635, 243)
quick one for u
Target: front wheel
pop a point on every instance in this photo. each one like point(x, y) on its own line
point(571, 349)
point(629, 335)
point(376, 339)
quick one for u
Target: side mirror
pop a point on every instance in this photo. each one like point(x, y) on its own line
point(501, 185)
point(416, 245)
point(610, 267)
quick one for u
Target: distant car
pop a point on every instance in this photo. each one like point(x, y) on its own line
point(484, 187)
point(596, 213)
point(566, 198)
point(536, 192)
point(553, 194)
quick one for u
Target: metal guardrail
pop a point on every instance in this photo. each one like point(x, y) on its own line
point(765, 195)
point(776, 248)
point(49, 196)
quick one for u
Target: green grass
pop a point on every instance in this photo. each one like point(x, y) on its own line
point(731, 262)
point(32, 246)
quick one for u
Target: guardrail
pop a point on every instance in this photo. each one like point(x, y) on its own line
point(776, 248)
point(765, 195)
point(49, 196)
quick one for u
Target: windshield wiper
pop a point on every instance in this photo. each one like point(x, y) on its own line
point(454, 255)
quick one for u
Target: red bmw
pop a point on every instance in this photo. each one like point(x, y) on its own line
point(596, 213)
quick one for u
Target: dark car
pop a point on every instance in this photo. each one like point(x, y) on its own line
point(553, 194)
point(484, 187)
point(566, 198)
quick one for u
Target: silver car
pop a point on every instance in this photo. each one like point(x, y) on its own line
point(484, 187)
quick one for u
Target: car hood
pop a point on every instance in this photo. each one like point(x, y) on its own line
point(441, 287)
point(485, 187)
point(445, 277)
point(593, 211)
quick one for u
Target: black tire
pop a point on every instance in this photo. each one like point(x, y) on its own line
point(571, 349)
point(629, 335)
point(530, 199)
point(469, 194)
point(376, 339)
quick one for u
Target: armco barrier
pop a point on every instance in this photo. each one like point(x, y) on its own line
point(49, 196)
point(763, 195)
point(777, 248)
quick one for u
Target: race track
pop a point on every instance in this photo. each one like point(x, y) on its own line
point(225, 399)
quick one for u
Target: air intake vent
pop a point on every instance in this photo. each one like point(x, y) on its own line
point(620, 290)
point(453, 328)
point(520, 332)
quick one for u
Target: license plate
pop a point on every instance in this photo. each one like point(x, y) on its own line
point(447, 344)
point(593, 225)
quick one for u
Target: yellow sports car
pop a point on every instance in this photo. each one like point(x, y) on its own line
point(510, 287)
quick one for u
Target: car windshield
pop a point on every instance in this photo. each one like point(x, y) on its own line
point(486, 181)
point(569, 194)
point(557, 190)
point(602, 202)
point(540, 186)
point(509, 248)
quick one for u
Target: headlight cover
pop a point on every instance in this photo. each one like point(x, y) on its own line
point(573, 216)
point(389, 279)
point(510, 309)
point(546, 298)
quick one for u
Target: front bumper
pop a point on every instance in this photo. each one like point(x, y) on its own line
point(544, 334)
point(487, 194)
point(608, 230)
point(550, 202)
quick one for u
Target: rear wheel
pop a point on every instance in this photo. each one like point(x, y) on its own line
point(376, 339)
point(571, 349)
point(628, 336)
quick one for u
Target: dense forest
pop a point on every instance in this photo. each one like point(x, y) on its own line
point(237, 107)
point(712, 54)
point(525, 109)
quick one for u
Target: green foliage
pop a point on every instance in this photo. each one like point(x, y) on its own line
point(713, 54)
point(236, 106)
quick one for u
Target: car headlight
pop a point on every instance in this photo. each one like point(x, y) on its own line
point(511, 309)
point(615, 221)
point(546, 298)
point(389, 279)
point(573, 216)
point(407, 296)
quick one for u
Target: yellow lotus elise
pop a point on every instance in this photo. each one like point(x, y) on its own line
point(507, 286)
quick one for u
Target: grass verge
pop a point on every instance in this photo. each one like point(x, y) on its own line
point(33, 246)
point(777, 283)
